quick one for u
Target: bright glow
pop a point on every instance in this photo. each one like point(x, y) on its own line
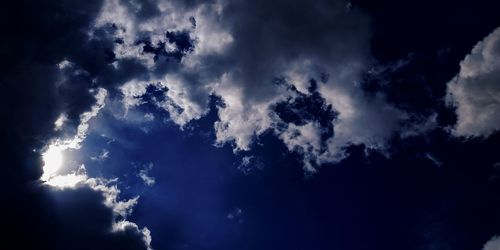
point(66, 181)
point(53, 160)
point(53, 157)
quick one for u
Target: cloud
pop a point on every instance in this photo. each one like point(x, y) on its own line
point(57, 146)
point(237, 213)
point(85, 220)
point(223, 48)
point(475, 90)
point(78, 180)
point(492, 244)
point(250, 164)
point(54, 79)
point(304, 139)
point(102, 156)
point(120, 209)
point(75, 212)
point(291, 68)
point(144, 175)
point(433, 159)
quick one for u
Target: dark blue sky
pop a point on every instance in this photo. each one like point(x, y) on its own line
point(365, 202)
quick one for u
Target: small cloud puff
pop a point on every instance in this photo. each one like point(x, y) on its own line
point(144, 175)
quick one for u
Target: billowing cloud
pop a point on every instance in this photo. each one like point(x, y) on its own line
point(492, 244)
point(314, 51)
point(288, 68)
point(475, 90)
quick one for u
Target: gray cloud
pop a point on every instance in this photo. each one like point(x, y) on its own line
point(254, 55)
point(475, 90)
point(52, 68)
point(492, 244)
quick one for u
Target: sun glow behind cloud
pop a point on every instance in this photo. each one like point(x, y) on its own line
point(53, 159)
point(67, 181)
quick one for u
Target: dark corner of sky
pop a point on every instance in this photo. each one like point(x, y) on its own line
point(238, 124)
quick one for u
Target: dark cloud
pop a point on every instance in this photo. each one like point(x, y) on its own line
point(31, 99)
point(269, 36)
point(37, 87)
point(67, 219)
point(430, 39)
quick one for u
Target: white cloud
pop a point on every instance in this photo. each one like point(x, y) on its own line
point(144, 175)
point(249, 164)
point(53, 161)
point(132, 92)
point(53, 154)
point(102, 156)
point(109, 190)
point(149, 117)
point(177, 101)
point(305, 139)
point(124, 225)
point(475, 91)
point(361, 120)
point(236, 60)
point(64, 64)
point(66, 181)
point(492, 244)
point(107, 187)
point(242, 118)
point(58, 124)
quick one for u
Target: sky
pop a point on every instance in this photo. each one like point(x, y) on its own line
point(236, 124)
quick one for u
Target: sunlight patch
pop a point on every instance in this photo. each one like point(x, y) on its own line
point(53, 160)
point(53, 157)
point(66, 181)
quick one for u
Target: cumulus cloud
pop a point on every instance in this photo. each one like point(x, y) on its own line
point(475, 90)
point(492, 244)
point(189, 51)
point(291, 68)
point(194, 50)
